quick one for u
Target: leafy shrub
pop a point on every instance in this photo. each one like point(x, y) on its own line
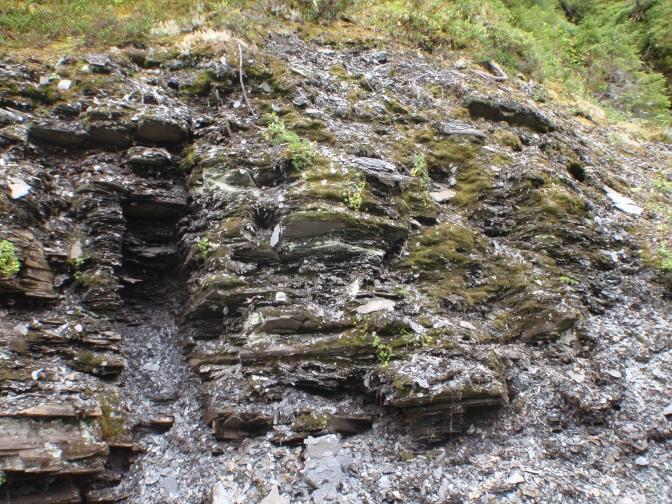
point(354, 195)
point(383, 350)
point(77, 262)
point(9, 262)
point(593, 48)
point(420, 169)
point(204, 246)
point(301, 151)
point(665, 259)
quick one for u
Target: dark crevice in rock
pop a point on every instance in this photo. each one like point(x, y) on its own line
point(20, 489)
point(150, 251)
point(265, 217)
point(577, 172)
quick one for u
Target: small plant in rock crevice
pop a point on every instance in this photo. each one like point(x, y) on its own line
point(77, 262)
point(419, 171)
point(301, 151)
point(9, 262)
point(353, 195)
point(665, 255)
point(383, 350)
point(568, 280)
point(204, 246)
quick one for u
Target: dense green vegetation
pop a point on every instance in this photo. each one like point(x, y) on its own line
point(9, 262)
point(616, 51)
point(301, 151)
point(602, 48)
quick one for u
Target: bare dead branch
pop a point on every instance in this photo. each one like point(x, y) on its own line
point(240, 73)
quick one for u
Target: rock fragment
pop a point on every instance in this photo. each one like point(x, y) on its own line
point(148, 157)
point(375, 305)
point(274, 497)
point(443, 196)
point(322, 469)
point(58, 133)
point(18, 188)
point(220, 494)
point(458, 128)
point(623, 203)
point(495, 109)
point(162, 125)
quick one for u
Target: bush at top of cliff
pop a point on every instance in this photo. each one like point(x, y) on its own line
point(616, 51)
point(594, 48)
point(319, 10)
point(9, 262)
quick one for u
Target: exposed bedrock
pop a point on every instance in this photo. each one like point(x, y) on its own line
point(382, 286)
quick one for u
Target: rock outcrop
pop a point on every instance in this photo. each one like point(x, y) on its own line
point(404, 284)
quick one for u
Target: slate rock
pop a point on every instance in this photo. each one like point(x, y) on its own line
point(220, 495)
point(162, 125)
point(375, 305)
point(274, 497)
point(58, 133)
point(513, 113)
point(623, 203)
point(148, 157)
point(458, 128)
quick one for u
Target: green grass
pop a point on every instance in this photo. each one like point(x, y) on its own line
point(39, 23)
point(420, 169)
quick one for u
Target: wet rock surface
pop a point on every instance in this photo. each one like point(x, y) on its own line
point(433, 309)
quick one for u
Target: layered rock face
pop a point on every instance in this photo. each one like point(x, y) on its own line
point(427, 278)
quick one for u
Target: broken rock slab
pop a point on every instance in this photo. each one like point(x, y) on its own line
point(378, 171)
point(324, 466)
point(18, 188)
point(220, 494)
point(35, 280)
point(376, 305)
point(516, 114)
point(162, 125)
point(623, 203)
point(274, 497)
point(458, 128)
point(548, 323)
point(58, 133)
point(435, 390)
point(442, 196)
point(148, 157)
point(109, 125)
